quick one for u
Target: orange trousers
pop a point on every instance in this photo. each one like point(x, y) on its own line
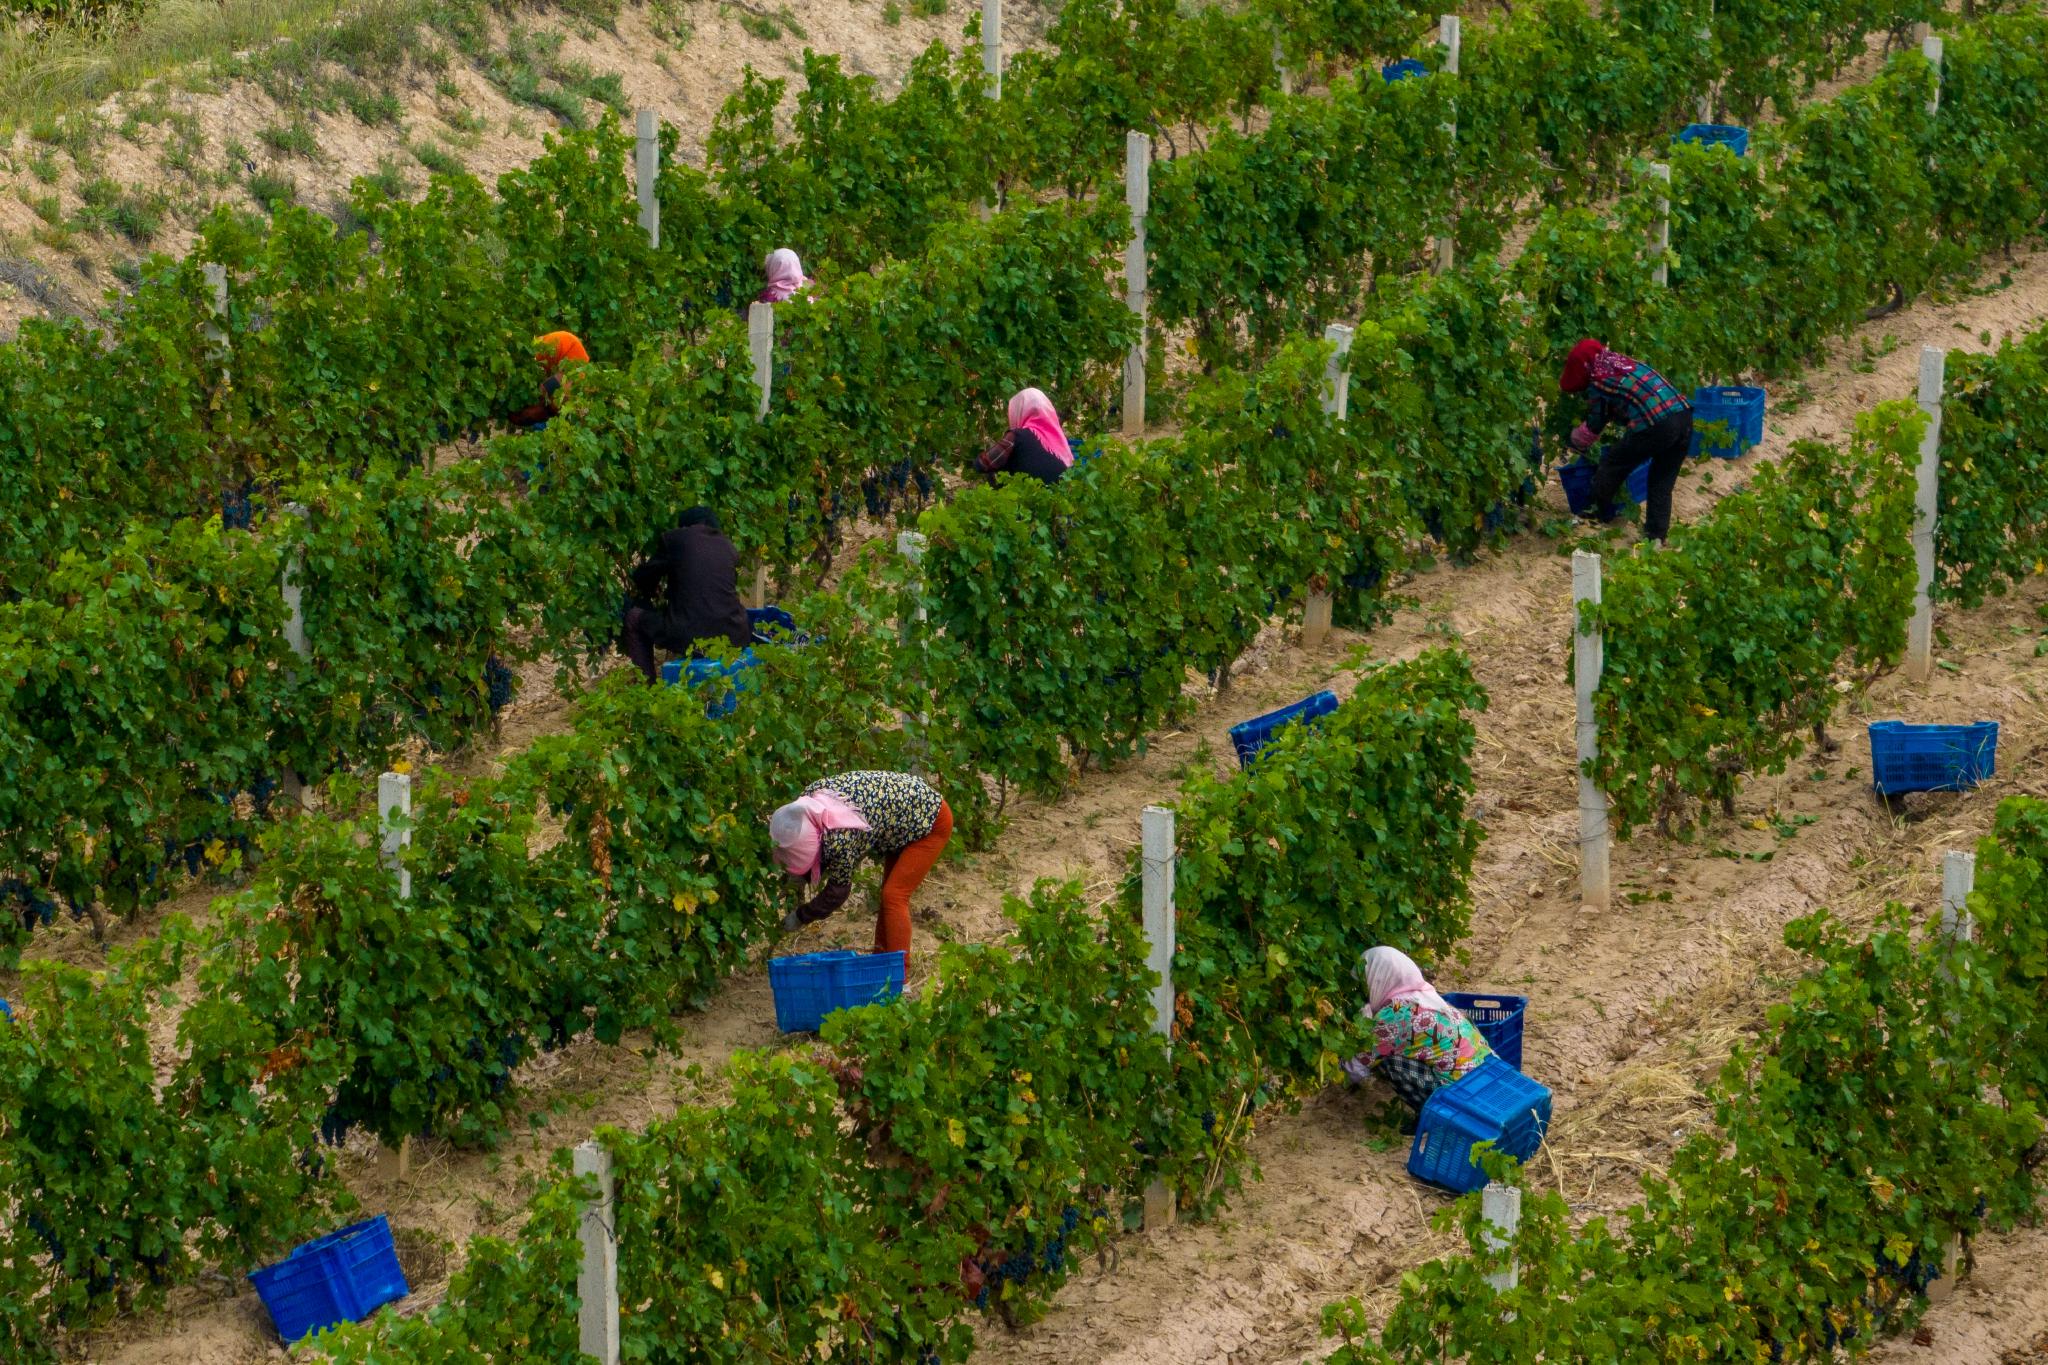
point(902, 873)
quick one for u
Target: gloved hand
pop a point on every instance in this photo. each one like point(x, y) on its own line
point(1583, 437)
point(1357, 1070)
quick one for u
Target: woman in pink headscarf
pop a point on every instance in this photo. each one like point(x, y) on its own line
point(839, 822)
point(1036, 443)
point(785, 276)
point(1421, 1042)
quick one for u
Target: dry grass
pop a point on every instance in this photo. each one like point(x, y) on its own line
point(48, 72)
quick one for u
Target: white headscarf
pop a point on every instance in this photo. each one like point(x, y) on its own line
point(1391, 975)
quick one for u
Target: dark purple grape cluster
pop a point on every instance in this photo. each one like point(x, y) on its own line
point(498, 680)
point(31, 904)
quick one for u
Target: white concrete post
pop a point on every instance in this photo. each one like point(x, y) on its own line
point(216, 331)
point(761, 346)
point(911, 545)
point(293, 593)
point(1703, 109)
point(1280, 71)
point(291, 590)
point(1450, 33)
point(646, 171)
point(1931, 48)
point(1336, 377)
point(394, 828)
point(1156, 853)
point(1920, 631)
point(1501, 1206)
point(1660, 236)
point(597, 1281)
point(992, 46)
point(394, 799)
point(1958, 880)
point(1958, 925)
point(1586, 665)
point(1138, 195)
point(1319, 608)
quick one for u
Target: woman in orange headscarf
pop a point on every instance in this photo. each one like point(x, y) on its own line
point(550, 352)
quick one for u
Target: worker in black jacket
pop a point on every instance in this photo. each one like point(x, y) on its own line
point(694, 575)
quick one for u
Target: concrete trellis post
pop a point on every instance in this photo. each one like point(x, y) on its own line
point(1958, 880)
point(992, 46)
point(1156, 853)
point(217, 330)
point(1138, 195)
point(1501, 1207)
point(394, 813)
point(1660, 237)
point(646, 171)
point(597, 1280)
point(290, 588)
point(1931, 49)
point(911, 545)
point(1280, 71)
point(1586, 664)
point(394, 831)
point(761, 346)
point(1920, 631)
point(1319, 607)
point(1958, 925)
point(1450, 33)
point(1703, 110)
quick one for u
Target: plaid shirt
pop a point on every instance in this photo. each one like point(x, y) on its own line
point(1637, 399)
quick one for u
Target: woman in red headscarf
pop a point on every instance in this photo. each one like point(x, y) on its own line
point(1655, 421)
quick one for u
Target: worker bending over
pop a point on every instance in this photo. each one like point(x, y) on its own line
point(1656, 426)
point(551, 353)
point(1421, 1042)
point(839, 822)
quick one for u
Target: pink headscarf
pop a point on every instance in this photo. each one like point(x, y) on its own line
point(1032, 411)
point(1392, 975)
point(799, 830)
point(785, 275)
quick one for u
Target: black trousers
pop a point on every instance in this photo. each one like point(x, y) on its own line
point(643, 631)
point(1663, 443)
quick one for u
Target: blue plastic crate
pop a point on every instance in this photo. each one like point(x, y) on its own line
point(342, 1277)
point(1495, 1103)
point(1931, 758)
point(1578, 487)
point(1403, 69)
point(1250, 736)
point(694, 671)
point(6, 1010)
point(1732, 136)
point(770, 624)
point(1742, 408)
point(809, 986)
point(1083, 451)
point(1498, 1019)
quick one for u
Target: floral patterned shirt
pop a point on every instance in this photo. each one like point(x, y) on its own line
point(1447, 1042)
point(899, 808)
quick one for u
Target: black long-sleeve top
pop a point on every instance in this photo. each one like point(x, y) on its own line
point(696, 575)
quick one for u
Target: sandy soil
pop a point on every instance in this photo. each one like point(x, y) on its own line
point(1633, 1010)
point(1648, 1001)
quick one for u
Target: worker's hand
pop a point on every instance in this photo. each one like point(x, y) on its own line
point(1583, 437)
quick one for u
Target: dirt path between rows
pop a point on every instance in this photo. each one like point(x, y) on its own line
point(1632, 1011)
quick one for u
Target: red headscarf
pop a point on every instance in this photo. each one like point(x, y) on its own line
point(1578, 366)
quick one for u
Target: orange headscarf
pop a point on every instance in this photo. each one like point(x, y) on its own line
point(554, 348)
